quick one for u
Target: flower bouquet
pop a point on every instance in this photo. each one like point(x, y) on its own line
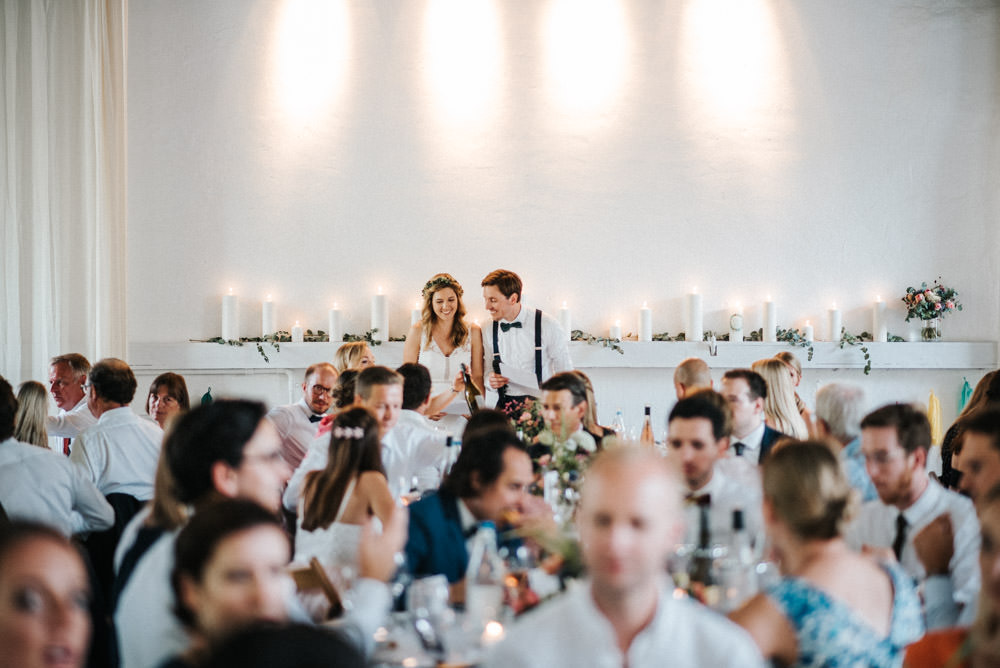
point(563, 469)
point(526, 416)
point(929, 305)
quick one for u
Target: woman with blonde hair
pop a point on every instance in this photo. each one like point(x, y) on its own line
point(32, 409)
point(442, 341)
point(779, 405)
point(353, 355)
point(832, 606)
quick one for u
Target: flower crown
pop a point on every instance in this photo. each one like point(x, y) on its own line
point(348, 432)
point(439, 282)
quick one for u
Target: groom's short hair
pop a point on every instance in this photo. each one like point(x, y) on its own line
point(507, 282)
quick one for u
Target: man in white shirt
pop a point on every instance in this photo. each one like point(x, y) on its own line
point(119, 452)
point(413, 421)
point(67, 376)
point(39, 485)
point(746, 390)
point(296, 423)
point(524, 346)
point(895, 440)
point(692, 375)
point(625, 613)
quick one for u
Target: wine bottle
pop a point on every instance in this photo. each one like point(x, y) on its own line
point(646, 438)
point(471, 391)
point(701, 563)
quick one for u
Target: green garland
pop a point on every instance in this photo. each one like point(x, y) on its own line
point(580, 335)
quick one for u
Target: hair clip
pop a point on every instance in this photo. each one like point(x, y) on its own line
point(348, 432)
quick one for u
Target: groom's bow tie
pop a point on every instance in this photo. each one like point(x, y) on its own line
point(504, 326)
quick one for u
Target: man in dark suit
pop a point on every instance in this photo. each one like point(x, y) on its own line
point(488, 482)
point(746, 390)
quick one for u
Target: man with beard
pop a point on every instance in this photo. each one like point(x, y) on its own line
point(894, 440)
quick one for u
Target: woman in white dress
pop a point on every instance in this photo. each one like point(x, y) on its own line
point(442, 341)
point(339, 499)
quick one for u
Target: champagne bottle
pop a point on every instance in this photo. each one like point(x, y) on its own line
point(646, 438)
point(471, 391)
point(701, 564)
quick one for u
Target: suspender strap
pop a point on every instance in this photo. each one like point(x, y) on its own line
point(538, 346)
point(501, 391)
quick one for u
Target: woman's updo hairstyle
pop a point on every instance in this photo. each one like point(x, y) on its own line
point(807, 488)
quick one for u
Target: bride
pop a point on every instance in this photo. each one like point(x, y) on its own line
point(442, 341)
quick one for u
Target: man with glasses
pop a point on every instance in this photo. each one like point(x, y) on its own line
point(67, 375)
point(296, 423)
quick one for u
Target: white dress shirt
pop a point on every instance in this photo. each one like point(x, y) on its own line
point(517, 350)
point(68, 424)
point(119, 453)
point(876, 526)
point(727, 494)
point(571, 631)
point(751, 444)
point(39, 485)
point(295, 429)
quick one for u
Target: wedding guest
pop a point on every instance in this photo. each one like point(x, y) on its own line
point(44, 597)
point(119, 452)
point(832, 606)
point(32, 410)
point(839, 409)
point(590, 415)
point(980, 460)
point(779, 404)
point(931, 531)
point(486, 419)
point(442, 341)
point(691, 375)
point(625, 614)
point(168, 397)
point(986, 395)
point(287, 645)
point(39, 485)
point(353, 355)
point(795, 371)
point(344, 389)
point(296, 423)
point(67, 376)
point(524, 343)
point(564, 408)
point(746, 391)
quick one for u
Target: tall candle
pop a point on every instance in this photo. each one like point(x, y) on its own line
point(645, 323)
point(230, 316)
point(416, 315)
point(335, 327)
point(736, 324)
point(297, 333)
point(267, 317)
point(695, 324)
point(808, 332)
point(880, 332)
point(770, 321)
point(380, 316)
point(615, 333)
point(566, 321)
point(834, 324)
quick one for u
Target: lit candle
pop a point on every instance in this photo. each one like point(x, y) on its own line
point(297, 333)
point(230, 316)
point(335, 327)
point(566, 320)
point(267, 317)
point(880, 332)
point(808, 332)
point(645, 323)
point(736, 324)
point(770, 321)
point(834, 324)
point(695, 324)
point(380, 316)
point(492, 633)
point(415, 314)
point(615, 333)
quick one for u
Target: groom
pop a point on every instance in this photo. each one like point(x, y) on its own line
point(525, 347)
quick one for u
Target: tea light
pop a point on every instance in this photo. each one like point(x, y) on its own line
point(492, 633)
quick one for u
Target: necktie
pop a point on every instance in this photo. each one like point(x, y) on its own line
point(505, 326)
point(315, 418)
point(739, 447)
point(66, 442)
point(700, 500)
point(900, 540)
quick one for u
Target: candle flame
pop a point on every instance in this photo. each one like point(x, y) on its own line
point(296, 323)
point(808, 324)
point(269, 298)
point(618, 323)
point(564, 304)
point(644, 305)
point(417, 304)
point(230, 291)
point(380, 289)
point(694, 290)
point(769, 298)
point(334, 306)
point(878, 298)
point(834, 306)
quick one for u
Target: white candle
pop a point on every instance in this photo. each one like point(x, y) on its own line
point(695, 324)
point(645, 323)
point(808, 332)
point(615, 333)
point(380, 316)
point(566, 320)
point(230, 316)
point(335, 327)
point(736, 324)
point(267, 317)
point(770, 321)
point(297, 333)
point(880, 332)
point(416, 314)
point(834, 324)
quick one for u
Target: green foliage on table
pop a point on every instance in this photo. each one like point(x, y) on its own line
point(580, 335)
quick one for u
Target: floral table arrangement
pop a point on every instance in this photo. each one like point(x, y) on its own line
point(929, 305)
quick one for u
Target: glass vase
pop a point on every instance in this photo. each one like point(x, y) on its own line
point(930, 330)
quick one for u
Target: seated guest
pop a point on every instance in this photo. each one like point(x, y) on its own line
point(985, 396)
point(119, 452)
point(795, 371)
point(486, 419)
point(32, 409)
point(625, 614)
point(168, 396)
point(690, 375)
point(353, 355)
point(489, 479)
point(564, 407)
point(839, 409)
point(414, 417)
point(697, 439)
point(343, 389)
point(590, 416)
point(914, 514)
point(44, 593)
point(296, 423)
point(833, 607)
point(39, 485)
point(980, 459)
point(67, 376)
point(745, 391)
point(779, 404)
point(285, 645)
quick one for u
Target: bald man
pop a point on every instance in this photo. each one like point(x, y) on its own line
point(692, 375)
point(625, 614)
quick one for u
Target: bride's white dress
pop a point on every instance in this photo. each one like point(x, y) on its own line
point(443, 369)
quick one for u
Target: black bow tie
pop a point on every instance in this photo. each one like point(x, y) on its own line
point(739, 448)
point(315, 418)
point(505, 326)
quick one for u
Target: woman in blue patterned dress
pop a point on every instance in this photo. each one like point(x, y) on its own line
point(832, 607)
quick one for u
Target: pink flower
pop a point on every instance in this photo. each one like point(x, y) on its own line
point(950, 305)
point(919, 298)
point(937, 307)
point(524, 417)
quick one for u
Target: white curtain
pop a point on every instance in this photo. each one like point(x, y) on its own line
point(63, 182)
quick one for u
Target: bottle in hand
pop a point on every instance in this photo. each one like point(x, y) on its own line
point(646, 438)
point(472, 393)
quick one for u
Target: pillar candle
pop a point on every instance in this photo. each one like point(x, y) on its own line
point(267, 317)
point(615, 333)
point(880, 332)
point(297, 333)
point(566, 321)
point(695, 324)
point(808, 332)
point(380, 316)
point(416, 314)
point(230, 316)
point(834, 324)
point(770, 321)
point(335, 327)
point(736, 325)
point(645, 323)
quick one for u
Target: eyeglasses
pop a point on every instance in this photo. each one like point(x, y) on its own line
point(319, 390)
point(273, 458)
point(884, 458)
